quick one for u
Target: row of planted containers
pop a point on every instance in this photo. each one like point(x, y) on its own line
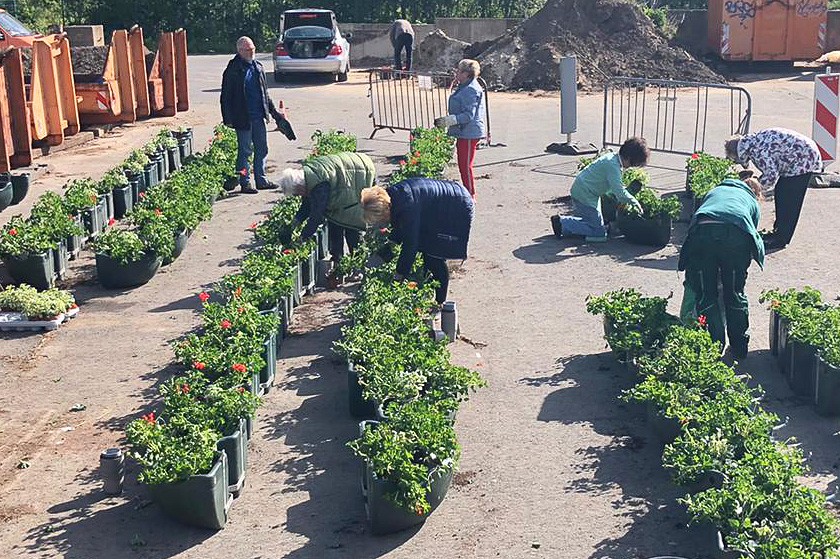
point(193, 450)
point(137, 216)
point(742, 484)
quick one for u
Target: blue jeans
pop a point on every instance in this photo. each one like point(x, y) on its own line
point(256, 135)
point(587, 221)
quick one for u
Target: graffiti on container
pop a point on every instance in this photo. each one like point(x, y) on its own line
point(808, 8)
point(741, 9)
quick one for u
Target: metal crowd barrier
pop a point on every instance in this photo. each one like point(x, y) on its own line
point(674, 117)
point(402, 100)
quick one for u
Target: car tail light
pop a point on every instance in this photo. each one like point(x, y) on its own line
point(336, 50)
point(280, 50)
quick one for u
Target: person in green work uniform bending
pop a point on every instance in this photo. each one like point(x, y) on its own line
point(331, 187)
point(601, 177)
point(722, 242)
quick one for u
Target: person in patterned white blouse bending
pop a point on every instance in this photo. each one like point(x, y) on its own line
point(787, 161)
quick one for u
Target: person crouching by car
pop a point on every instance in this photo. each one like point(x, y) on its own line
point(603, 176)
point(722, 242)
point(331, 187)
point(429, 216)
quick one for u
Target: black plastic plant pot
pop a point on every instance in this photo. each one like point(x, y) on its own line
point(102, 211)
point(150, 174)
point(235, 447)
point(783, 344)
point(323, 242)
point(123, 201)
point(75, 243)
point(803, 368)
point(385, 517)
point(608, 208)
point(713, 542)
point(164, 158)
point(36, 270)
point(135, 183)
point(201, 500)
point(90, 218)
point(827, 389)
point(308, 273)
point(300, 288)
point(270, 369)
point(654, 232)
point(109, 206)
point(183, 149)
point(254, 384)
point(359, 407)
point(664, 428)
point(60, 258)
point(180, 244)
point(7, 194)
point(114, 275)
point(174, 159)
point(20, 187)
point(161, 168)
point(249, 427)
point(288, 313)
point(774, 332)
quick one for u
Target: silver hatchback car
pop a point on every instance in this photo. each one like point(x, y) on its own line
point(310, 42)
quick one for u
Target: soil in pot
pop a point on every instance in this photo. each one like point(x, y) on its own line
point(236, 449)
point(803, 368)
point(385, 517)
point(36, 270)
point(114, 275)
point(123, 201)
point(201, 500)
point(7, 194)
point(654, 232)
point(827, 389)
point(20, 187)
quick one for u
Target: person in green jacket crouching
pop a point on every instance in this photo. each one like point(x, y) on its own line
point(331, 187)
point(601, 177)
point(722, 242)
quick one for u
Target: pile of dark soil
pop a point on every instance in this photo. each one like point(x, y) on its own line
point(438, 53)
point(611, 38)
point(88, 63)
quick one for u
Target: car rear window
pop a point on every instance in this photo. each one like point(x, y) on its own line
point(309, 32)
point(311, 19)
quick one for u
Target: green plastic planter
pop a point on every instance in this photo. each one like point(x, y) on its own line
point(307, 273)
point(664, 428)
point(385, 517)
point(123, 201)
point(174, 157)
point(136, 183)
point(774, 332)
point(7, 193)
point(201, 500)
point(36, 270)
point(163, 167)
point(75, 242)
point(270, 370)
point(289, 312)
point(803, 368)
point(91, 217)
point(102, 212)
point(654, 232)
point(114, 275)
point(180, 244)
point(160, 168)
point(235, 447)
point(150, 175)
point(827, 389)
point(359, 407)
point(784, 346)
point(323, 245)
point(20, 187)
point(183, 149)
point(60, 258)
point(109, 206)
point(300, 289)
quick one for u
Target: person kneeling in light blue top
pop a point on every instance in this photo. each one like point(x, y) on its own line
point(601, 177)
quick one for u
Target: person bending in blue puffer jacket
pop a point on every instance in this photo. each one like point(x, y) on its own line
point(429, 216)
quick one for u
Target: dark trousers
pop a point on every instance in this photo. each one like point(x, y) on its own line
point(718, 251)
point(437, 268)
point(337, 236)
point(404, 41)
point(790, 193)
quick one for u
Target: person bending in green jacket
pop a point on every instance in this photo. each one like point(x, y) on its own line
point(601, 177)
point(722, 242)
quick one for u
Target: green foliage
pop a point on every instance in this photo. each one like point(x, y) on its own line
point(653, 206)
point(115, 178)
point(79, 194)
point(44, 305)
point(121, 245)
point(50, 215)
point(706, 172)
point(332, 142)
point(20, 237)
point(430, 151)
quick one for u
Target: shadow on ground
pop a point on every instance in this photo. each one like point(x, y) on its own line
point(548, 249)
point(627, 465)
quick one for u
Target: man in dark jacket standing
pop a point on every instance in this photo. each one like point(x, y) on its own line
point(245, 107)
point(402, 37)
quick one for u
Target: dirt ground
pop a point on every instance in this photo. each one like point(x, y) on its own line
point(553, 465)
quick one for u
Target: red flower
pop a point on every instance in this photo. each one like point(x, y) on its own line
point(402, 162)
point(244, 171)
point(204, 296)
point(111, 222)
point(417, 153)
point(383, 230)
point(198, 365)
point(412, 285)
point(13, 232)
point(93, 198)
point(240, 368)
point(225, 324)
point(287, 251)
point(158, 212)
point(241, 310)
point(695, 156)
point(241, 390)
point(149, 418)
point(701, 320)
point(238, 292)
point(253, 225)
point(142, 195)
point(185, 389)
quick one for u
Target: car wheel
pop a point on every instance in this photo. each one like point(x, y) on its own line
point(342, 76)
point(279, 76)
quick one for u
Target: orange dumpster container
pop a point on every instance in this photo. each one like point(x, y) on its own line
point(52, 92)
point(15, 85)
point(109, 98)
point(763, 30)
